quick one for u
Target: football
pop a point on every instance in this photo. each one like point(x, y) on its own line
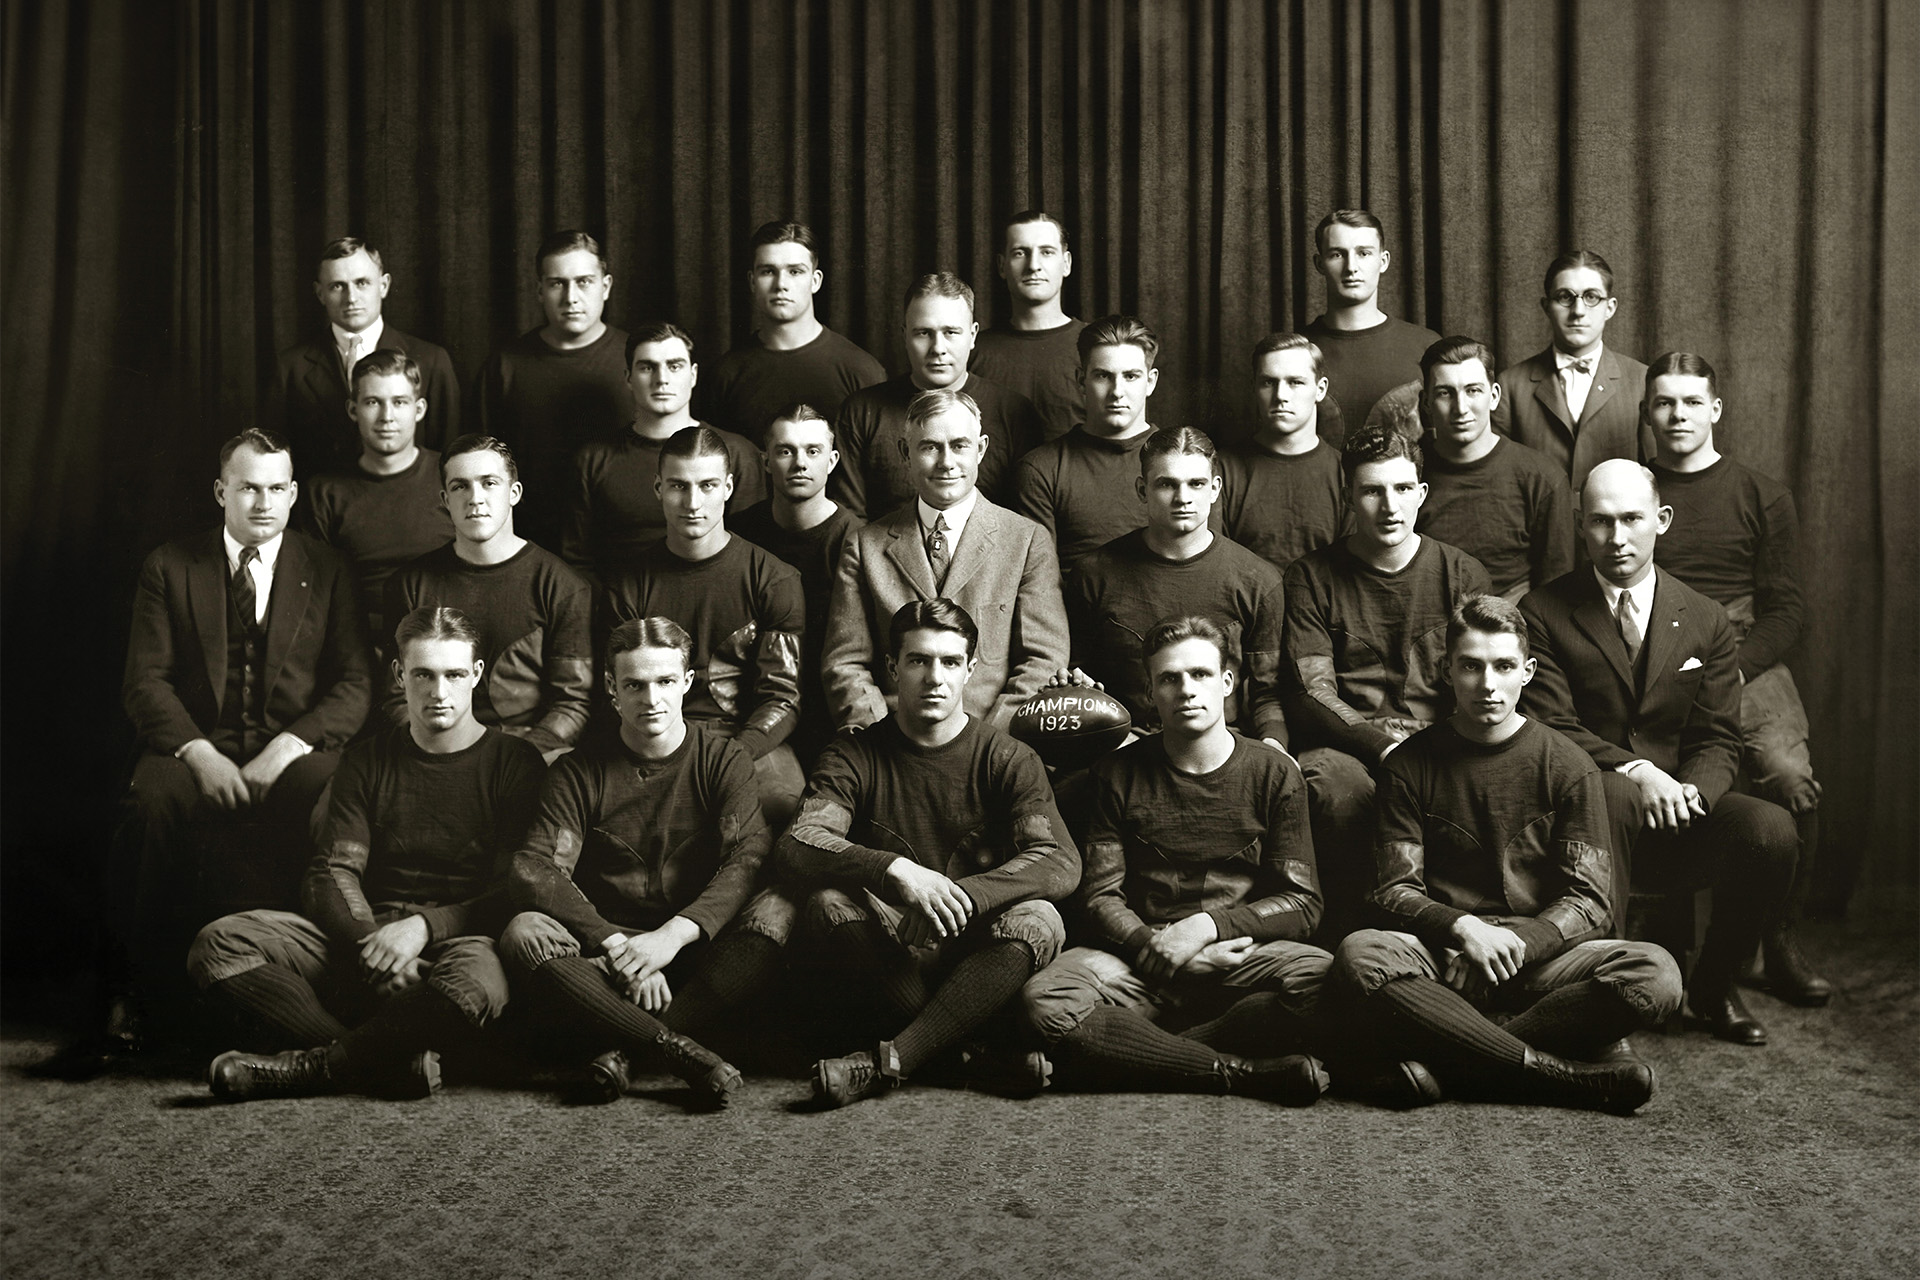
point(1072, 726)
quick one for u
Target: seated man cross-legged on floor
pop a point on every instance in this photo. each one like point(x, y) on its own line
point(1199, 894)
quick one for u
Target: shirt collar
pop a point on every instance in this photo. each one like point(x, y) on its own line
point(1642, 593)
point(956, 515)
point(269, 550)
point(1562, 361)
point(369, 335)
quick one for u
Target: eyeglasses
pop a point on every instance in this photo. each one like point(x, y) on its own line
point(1565, 298)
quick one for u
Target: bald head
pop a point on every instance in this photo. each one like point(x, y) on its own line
point(1620, 520)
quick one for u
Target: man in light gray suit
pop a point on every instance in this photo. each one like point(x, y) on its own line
point(950, 542)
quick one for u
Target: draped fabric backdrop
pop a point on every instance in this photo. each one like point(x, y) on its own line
point(172, 166)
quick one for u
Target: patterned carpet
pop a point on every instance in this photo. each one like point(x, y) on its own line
point(1793, 1160)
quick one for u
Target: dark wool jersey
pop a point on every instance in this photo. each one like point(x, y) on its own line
point(546, 403)
point(613, 514)
point(1510, 510)
point(1118, 593)
point(752, 383)
point(978, 809)
point(1515, 832)
point(1364, 364)
point(1041, 364)
point(1164, 844)
point(1080, 488)
point(379, 523)
point(408, 832)
point(535, 620)
point(623, 843)
point(1366, 645)
point(815, 553)
point(873, 479)
point(1733, 539)
point(744, 609)
point(1282, 507)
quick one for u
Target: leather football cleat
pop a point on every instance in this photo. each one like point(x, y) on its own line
point(712, 1077)
point(839, 1081)
point(1618, 1088)
point(245, 1077)
point(606, 1078)
point(1296, 1080)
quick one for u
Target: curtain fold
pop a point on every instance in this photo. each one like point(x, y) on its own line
point(1747, 166)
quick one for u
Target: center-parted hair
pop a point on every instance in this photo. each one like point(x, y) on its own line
point(346, 247)
point(1171, 440)
point(650, 633)
point(1288, 342)
point(1119, 331)
point(785, 231)
point(1171, 631)
point(567, 241)
point(258, 439)
point(1681, 364)
point(1491, 615)
point(939, 284)
point(931, 615)
point(1361, 218)
point(435, 622)
point(386, 364)
point(1579, 258)
point(931, 404)
point(697, 441)
point(800, 413)
point(1376, 444)
point(662, 332)
point(474, 442)
point(1034, 215)
point(1455, 350)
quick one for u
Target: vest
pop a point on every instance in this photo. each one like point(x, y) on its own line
point(242, 728)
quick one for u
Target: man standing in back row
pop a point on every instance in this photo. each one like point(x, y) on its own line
point(1035, 351)
point(1367, 351)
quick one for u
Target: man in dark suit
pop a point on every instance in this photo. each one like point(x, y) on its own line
point(1578, 401)
point(247, 672)
point(308, 401)
point(1643, 672)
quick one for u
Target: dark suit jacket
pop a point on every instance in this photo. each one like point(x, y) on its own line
point(318, 686)
point(1533, 410)
point(308, 399)
point(1684, 717)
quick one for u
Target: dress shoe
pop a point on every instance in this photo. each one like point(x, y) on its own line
point(1788, 975)
point(712, 1077)
point(1296, 1080)
point(1620, 1089)
point(858, 1076)
point(245, 1077)
point(1727, 1017)
point(606, 1078)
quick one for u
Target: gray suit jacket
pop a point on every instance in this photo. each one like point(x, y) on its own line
point(1005, 574)
point(1533, 410)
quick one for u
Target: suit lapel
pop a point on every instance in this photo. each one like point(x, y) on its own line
point(323, 373)
point(287, 606)
point(1605, 382)
point(975, 551)
point(1665, 626)
point(1552, 393)
point(207, 598)
point(908, 556)
point(1591, 616)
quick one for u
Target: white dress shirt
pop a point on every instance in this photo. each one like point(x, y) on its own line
point(1642, 594)
point(1576, 384)
point(957, 516)
point(368, 338)
point(261, 570)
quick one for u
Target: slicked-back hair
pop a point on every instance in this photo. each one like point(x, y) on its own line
point(346, 247)
point(931, 615)
point(1171, 631)
point(386, 364)
point(696, 441)
point(650, 633)
point(799, 413)
point(1490, 615)
point(258, 439)
point(474, 442)
point(1119, 331)
point(1348, 218)
point(931, 404)
point(1376, 444)
point(661, 332)
point(939, 284)
point(1035, 215)
point(567, 241)
point(1172, 440)
point(1578, 259)
point(1455, 350)
point(1681, 364)
point(785, 231)
point(1289, 342)
point(435, 622)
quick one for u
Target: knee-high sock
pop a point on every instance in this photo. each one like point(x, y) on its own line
point(421, 1017)
point(1120, 1049)
point(1427, 1020)
point(283, 1000)
point(581, 994)
point(1576, 1021)
point(1257, 1025)
point(976, 988)
point(862, 946)
point(737, 966)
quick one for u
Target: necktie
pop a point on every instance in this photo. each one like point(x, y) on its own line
point(1629, 629)
point(243, 593)
point(939, 555)
point(352, 355)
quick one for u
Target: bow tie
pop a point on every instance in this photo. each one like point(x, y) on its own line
point(1583, 366)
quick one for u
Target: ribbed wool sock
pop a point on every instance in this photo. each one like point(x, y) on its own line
point(863, 947)
point(1119, 1049)
point(421, 1017)
point(1433, 1023)
point(976, 988)
point(738, 965)
point(1257, 1025)
point(284, 1001)
point(582, 993)
point(1576, 1021)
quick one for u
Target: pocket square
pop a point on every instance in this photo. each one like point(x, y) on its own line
point(1692, 664)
